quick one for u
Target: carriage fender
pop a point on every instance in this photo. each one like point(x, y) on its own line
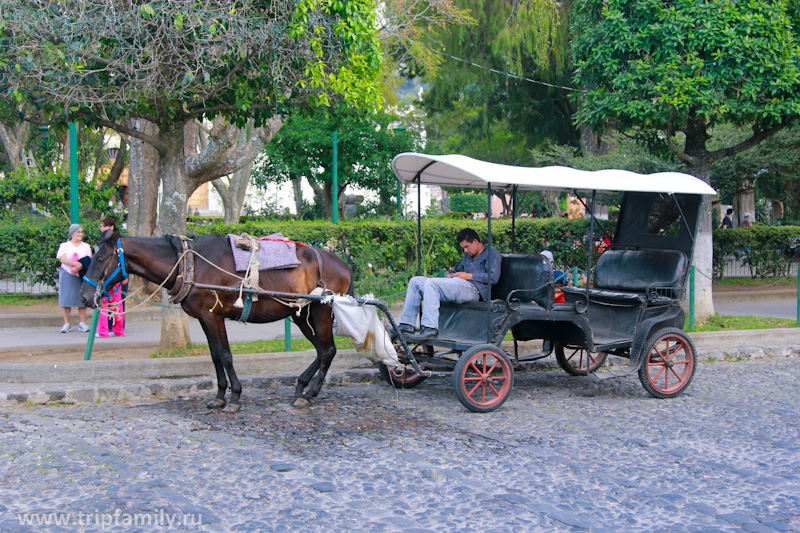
point(360, 322)
point(674, 317)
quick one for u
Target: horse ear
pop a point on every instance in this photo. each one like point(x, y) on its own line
point(106, 235)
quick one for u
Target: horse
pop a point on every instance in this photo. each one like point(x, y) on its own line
point(157, 259)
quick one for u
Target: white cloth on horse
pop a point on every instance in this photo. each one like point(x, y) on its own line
point(271, 255)
point(360, 323)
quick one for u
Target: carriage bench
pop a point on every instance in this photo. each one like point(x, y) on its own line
point(526, 282)
point(631, 276)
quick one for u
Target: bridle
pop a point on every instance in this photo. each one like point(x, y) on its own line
point(101, 288)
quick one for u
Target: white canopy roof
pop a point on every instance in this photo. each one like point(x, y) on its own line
point(462, 171)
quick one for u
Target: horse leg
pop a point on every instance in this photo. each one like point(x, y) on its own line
point(217, 337)
point(322, 338)
point(304, 378)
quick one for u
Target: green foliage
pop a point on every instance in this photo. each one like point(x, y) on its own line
point(766, 249)
point(484, 114)
point(201, 58)
point(383, 255)
point(469, 203)
point(50, 191)
point(665, 65)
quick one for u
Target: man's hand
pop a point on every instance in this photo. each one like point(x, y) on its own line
point(463, 275)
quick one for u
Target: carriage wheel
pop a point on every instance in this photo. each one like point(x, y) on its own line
point(669, 363)
point(483, 378)
point(572, 359)
point(404, 376)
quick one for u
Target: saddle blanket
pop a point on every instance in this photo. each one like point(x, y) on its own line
point(271, 255)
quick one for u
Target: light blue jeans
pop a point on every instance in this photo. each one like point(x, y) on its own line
point(431, 291)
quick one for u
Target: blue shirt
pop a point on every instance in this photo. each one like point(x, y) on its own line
point(479, 268)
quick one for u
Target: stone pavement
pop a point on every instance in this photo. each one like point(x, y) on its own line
point(563, 454)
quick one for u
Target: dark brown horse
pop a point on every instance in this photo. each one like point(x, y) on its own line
point(155, 258)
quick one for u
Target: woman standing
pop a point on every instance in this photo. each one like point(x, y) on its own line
point(69, 282)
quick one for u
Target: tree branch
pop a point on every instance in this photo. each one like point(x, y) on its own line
point(758, 136)
point(155, 142)
point(681, 154)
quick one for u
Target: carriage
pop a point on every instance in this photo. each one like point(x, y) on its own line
point(630, 307)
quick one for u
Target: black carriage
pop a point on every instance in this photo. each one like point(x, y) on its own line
point(630, 308)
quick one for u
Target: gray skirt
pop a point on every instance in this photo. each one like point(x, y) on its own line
point(69, 289)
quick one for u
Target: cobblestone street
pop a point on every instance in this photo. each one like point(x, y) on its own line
point(563, 454)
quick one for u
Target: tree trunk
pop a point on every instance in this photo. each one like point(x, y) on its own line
point(172, 221)
point(297, 187)
point(744, 202)
point(234, 192)
point(119, 163)
point(142, 182)
point(14, 140)
point(703, 254)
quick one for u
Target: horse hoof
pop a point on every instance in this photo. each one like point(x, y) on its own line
point(301, 403)
point(216, 403)
point(232, 408)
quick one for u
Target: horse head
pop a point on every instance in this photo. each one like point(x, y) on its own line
point(106, 270)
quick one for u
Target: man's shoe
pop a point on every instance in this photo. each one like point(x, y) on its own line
point(406, 329)
point(66, 328)
point(82, 327)
point(425, 334)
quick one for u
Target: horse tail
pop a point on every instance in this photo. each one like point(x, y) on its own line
point(351, 290)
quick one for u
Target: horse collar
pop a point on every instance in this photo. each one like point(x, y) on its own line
point(185, 280)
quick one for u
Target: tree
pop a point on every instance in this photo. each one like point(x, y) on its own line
point(668, 72)
point(304, 149)
point(169, 64)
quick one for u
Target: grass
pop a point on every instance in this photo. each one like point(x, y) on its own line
point(27, 300)
point(754, 283)
point(276, 345)
point(728, 322)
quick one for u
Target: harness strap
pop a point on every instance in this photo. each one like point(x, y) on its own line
point(248, 304)
point(185, 279)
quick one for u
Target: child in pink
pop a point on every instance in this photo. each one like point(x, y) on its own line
point(115, 304)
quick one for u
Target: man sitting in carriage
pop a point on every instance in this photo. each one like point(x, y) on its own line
point(467, 282)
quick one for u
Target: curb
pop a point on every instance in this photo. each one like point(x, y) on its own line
point(156, 378)
point(54, 320)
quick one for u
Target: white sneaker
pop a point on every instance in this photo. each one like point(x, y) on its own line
point(82, 327)
point(66, 328)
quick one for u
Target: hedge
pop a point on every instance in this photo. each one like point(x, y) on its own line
point(383, 254)
point(768, 250)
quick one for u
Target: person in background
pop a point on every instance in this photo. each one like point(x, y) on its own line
point(116, 320)
point(468, 282)
point(69, 254)
point(746, 222)
point(727, 221)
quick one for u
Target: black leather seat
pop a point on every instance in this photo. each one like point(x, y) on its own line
point(526, 278)
point(628, 276)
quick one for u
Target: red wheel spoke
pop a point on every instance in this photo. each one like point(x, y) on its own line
point(476, 378)
point(679, 378)
point(470, 393)
point(494, 390)
point(654, 378)
point(493, 367)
